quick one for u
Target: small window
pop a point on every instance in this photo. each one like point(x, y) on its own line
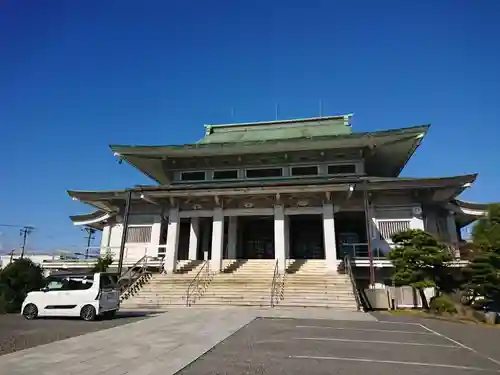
point(55, 285)
point(139, 234)
point(305, 171)
point(341, 169)
point(193, 176)
point(225, 175)
point(107, 281)
point(264, 173)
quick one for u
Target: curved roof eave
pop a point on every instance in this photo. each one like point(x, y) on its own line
point(95, 219)
point(469, 208)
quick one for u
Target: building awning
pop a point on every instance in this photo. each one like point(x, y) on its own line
point(96, 219)
point(387, 152)
point(444, 189)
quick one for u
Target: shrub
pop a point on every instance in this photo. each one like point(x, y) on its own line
point(442, 304)
point(103, 263)
point(3, 304)
point(17, 280)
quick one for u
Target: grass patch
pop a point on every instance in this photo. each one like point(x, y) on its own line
point(455, 318)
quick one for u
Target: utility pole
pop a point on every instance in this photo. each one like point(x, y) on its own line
point(25, 232)
point(90, 236)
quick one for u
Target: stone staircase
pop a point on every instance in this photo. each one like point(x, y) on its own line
point(163, 291)
point(309, 283)
point(242, 283)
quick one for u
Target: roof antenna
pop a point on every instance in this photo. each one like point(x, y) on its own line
point(277, 108)
point(320, 108)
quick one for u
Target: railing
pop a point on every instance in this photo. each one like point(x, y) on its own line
point(348, 268)
point(275, 286)
point(360, 250)
point(133, 277)
point(199, 283)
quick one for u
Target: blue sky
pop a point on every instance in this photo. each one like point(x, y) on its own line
point(76, 76)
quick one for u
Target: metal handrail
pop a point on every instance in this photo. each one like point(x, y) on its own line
point(348, 267)
point(273, 283)
point(131, 273)
point(194, 285)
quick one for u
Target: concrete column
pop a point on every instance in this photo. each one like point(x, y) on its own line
point(105, 238)
point(287, 237)
point(232, 237)
point(152, 249)
point(172, 240)
point(329, 237)
point(194, 238)
point(217, 240)
point(280, 237)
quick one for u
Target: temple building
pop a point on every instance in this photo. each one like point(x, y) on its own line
point(294, 189)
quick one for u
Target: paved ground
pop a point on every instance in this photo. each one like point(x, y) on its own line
point(162, 344)
point(17, 333)
point(254, 341)
point(292, 346)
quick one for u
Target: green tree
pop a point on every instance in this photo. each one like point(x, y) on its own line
point(483, 272)
point(16, 281)
point(103, 263)
point(419, 261)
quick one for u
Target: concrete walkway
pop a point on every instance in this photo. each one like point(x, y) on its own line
point(162, 344)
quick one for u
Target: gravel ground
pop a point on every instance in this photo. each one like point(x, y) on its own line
point(17, 333)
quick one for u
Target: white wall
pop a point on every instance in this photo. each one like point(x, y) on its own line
point(403, 213)
point(112, 237)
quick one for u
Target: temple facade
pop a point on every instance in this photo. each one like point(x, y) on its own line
point(295, 189)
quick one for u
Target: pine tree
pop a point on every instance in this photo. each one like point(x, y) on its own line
point(419, 260)
point(483, 273)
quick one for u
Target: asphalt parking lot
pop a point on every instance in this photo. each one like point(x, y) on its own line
point(293, 347)
point(17, 333)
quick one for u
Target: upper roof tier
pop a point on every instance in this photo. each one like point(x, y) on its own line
point(385, 152)
point(277, 130)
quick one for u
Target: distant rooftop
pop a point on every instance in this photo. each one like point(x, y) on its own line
point(278, 129)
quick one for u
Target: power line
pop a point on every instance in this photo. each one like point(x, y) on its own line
point(90, 236)
point(12, 226)
point(25, 232)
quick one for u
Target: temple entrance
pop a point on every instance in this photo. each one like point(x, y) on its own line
point(350, 233)
point(306, 237)
point(256, 237)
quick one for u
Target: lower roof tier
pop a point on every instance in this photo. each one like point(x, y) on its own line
point(441, 191)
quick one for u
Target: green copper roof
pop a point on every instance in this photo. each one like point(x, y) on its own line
point(277, 130)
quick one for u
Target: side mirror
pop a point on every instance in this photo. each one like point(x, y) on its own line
point(44, 289)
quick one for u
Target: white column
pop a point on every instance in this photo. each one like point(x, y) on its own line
point(217, 240)
point(329, 237)
point(172, 240)
point(105, 237)
point(280, 237)
point(152, 249)
point(194, 238)
point(232, 237)
point(287, 237)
